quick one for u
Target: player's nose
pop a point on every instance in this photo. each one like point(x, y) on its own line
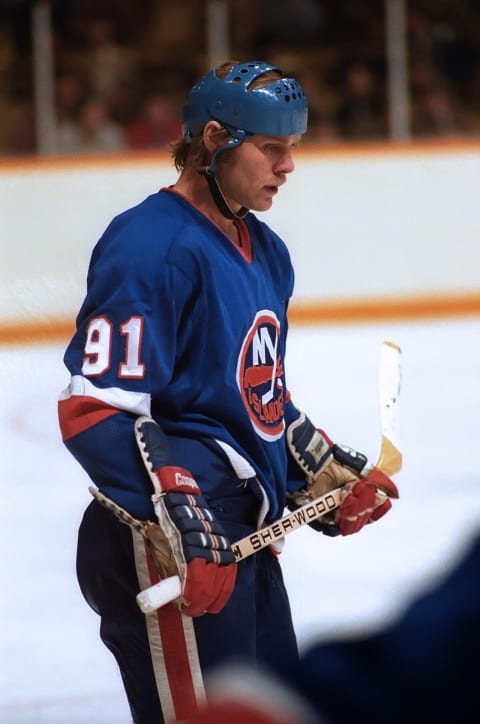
point(285, 164)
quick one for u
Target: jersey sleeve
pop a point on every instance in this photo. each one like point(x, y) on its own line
point(123, 351)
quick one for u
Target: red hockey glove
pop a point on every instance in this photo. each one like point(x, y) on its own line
point(366, 490)
point(239, 694)
point(202, 553)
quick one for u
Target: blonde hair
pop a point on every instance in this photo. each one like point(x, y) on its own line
point(195, 154)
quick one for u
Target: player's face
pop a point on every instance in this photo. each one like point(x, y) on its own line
point(256, 170)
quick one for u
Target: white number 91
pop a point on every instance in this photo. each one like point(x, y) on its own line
point(97, 356)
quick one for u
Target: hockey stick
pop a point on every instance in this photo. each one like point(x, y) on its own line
point(169, 589)
point(389, 461)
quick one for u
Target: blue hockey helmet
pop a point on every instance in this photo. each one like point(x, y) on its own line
point(276, 109)
point(279, 108)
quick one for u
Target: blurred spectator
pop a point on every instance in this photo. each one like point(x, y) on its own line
point(6, 61)
point(108, 63)
point(458, 54)
point(7, 51)
point(322, 130)
point(175, 35)
point(20, 132)
point(124, 101)
point(157, 125)
point(421, 42)
point(288, 23)
point(70, 94)
point(124, 51)
point(435, 113)
point(361, 113)
point(243, 20)
point(95, 132)
point(423, 75)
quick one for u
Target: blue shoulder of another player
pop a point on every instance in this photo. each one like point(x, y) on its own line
point(421, 667)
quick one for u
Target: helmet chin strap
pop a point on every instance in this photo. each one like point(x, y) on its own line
point(219, 198)
point(237, 138)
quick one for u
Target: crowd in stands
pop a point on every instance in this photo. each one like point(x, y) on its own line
point(121, 69)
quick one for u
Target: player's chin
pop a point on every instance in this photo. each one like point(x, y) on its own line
point(263, 206)
point(264, 200)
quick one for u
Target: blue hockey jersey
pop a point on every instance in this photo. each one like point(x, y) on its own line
point(184, 325)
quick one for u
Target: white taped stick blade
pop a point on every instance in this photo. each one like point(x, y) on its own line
point(390, 383)
point(159, 595)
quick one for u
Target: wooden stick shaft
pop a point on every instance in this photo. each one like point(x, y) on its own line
point(167, 590)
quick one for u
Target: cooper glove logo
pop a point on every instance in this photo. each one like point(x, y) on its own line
point(181, 480)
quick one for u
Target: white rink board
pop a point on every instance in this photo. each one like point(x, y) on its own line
point(357, 226)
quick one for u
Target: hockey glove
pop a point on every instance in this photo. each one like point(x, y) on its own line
point(366, 490)
point(158, 545)
point(203, 557)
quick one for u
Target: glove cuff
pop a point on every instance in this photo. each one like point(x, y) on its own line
point(310, 448)
point(172, 478)
point(352, 459)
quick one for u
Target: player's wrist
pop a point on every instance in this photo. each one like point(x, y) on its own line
point(350, 458)
point(310, 447)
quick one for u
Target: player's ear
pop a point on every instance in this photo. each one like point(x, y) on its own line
point(214, 136)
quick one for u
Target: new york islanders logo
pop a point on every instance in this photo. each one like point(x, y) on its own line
point(260, 376)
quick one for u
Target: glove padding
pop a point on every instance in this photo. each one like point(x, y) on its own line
point(366, 490)
point(157, 542)
point(201, 552)
point(164, 560)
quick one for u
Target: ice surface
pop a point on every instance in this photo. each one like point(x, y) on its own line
point(53, 667)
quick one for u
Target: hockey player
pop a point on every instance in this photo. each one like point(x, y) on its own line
point(180, 344)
